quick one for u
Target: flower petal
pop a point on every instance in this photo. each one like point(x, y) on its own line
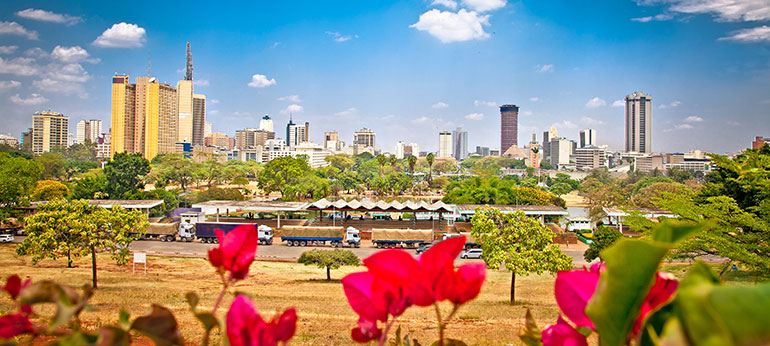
point(244, 325)
point(13, 325)
point(238, 248)
point(562, 334)
point(662, 291)
point(358, 290)
point(285, 325)
point(573, 290)
point(13, 286)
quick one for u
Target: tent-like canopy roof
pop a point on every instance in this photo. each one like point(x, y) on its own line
point(210, 207)
point(370, 206)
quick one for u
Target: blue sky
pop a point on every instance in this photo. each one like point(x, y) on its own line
point(408, 69)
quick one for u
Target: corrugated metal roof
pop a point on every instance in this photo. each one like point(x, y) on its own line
point(368, 205)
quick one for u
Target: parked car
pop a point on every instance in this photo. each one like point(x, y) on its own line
point(472, 253)
point(422, 249)
point(6, 238)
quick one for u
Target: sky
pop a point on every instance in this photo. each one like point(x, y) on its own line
point(407, 69)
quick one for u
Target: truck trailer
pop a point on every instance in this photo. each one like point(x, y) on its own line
point(205, 231)
point(167, 231)
point(388, 238)
point(318, 235)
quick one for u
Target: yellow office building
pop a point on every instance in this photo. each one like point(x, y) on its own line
point(49, 131)
point(185, 104)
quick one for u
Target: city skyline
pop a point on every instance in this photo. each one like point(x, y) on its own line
point(63, 60)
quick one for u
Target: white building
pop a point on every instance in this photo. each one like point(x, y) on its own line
point(444, 144)
point(587, 138)
point(207, 129)
point(560, 149)
point(266, 124)
point(9, 141)
point(639, 123)
point(588, 158)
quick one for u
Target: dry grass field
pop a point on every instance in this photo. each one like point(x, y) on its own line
point(325, 317)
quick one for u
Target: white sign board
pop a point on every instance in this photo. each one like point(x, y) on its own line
point(140, 257)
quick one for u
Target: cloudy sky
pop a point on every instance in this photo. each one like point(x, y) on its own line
point(408, 69)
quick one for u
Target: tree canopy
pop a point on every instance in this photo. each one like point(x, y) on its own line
point(329, 259)
point(125, 173)
point(493, 190)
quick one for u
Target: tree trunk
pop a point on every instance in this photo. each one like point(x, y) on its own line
point(93, 265)
point(513, 287)
point(328, 274)
point(69, 259)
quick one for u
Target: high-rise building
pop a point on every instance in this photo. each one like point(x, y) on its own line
point(639, 122)
point(331, 139)
point(444, 144)
point(185, 107)
point(161, 120)
point(220, 140)
point(266, 124)
point(250, 138)
point(509, 127)
point(296, 134)
point(207, 129)
point(88, 130)
point(482, 151)
point(49, 131)
point(547, 137)
point(560, 151)
point(587, 138)
point(123, 115)
point(590, 157)
point(199, 118)
point(535, 152)
point(364, 137)
point(26, 140)
point(460, 144)
point(759, 142)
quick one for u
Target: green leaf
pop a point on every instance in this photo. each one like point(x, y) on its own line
point(531, 335)
point(673, 334)
point(160, 326)
point(68, 302)
point(76, 339)
point(207, 319)
point(672, 232)
point(124, 319)
point(113, 336)
point(193, 300)
point(631, 267)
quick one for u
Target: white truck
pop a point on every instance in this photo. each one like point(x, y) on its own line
point(317, 235)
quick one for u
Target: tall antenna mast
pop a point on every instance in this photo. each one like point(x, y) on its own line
point(149, 63)
point(189, 70)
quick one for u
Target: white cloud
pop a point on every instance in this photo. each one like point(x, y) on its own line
point(484, 5)
point(47, 16)
point(18, 66)
point(566, 123)
point(670, 105)
point(348, 112)
point(214, 101)
point(618, 103)
point(475, 116)
point(261, 81)
point(122, 35)
point(71, 54)
point(693, 119)
point(446, 3)
point(61, 87)
point(421, 120)
point(590, 121)
point(292, 108)
point(683, 127)
point(658, 17)
point(752, 35)
point(13, 28)
point(290, 98)
point(340, 37)
point(534, 99)
point(526, 113)
point(201, 82)
point(69, 73)
point(212, 111)
point(439, 105)
point(8, 84)
point(449, 26)
point(8, 49)
point(595, 103)
point(34, 99)
point(544, 68)
point(733, 123)
point(478, 103)
point(723, 10)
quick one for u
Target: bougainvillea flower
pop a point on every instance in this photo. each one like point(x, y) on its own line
point(463, 285)
point(245, 327)
point(236, 250)
point(358, 290)
point(437, 264)
point(562, 334)
point(14, 285)
point(13, 325)
point(660, 293)
point(402, 272)
point(573, 290)
point(366, 331)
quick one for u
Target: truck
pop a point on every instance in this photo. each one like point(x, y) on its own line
point(205, 231)
point(318, 235)
point(470, 241)
point(389, 238)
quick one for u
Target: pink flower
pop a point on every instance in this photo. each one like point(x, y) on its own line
point(245, 327)
point(366, 331)
point(661, 292)
point(562, 334)
point(373, 299)
point(463, 285)
point(236, 251)
point(573, 290)
point(437, 265)
point(402, 272)
point(13, 325)
point(14, 285)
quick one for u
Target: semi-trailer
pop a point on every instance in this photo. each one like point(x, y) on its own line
point(319, 235)
point(168, 231)
point(205, 231)
point(388, 238)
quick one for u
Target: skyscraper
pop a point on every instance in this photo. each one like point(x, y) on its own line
point(123, 115)
point(460, 144)
point(639, 122)
point(444, 144)
point(184, 94)
point(509, 127)
point(49, 131)
point(199, 118)
point(88, 130)
point(296, 134)
point(160, 124)
point(587, 138)
point(288, 127)
point(364, 137)
point(266, 124)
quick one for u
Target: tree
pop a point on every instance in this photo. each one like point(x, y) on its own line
point(183, 171)
point(430, 158)
point(519, 242)
point(91, 185)
point(381, 160)
point(340, 161)
point(78, 228)
point(603, 237)
point(411, 160)
point(393, 161)
point(54, 167)
point(48, 190)
point(124, 174)
point(329, 259)
point(240, 181)
point(545, 164)
point(17, 179)
point(281, 172)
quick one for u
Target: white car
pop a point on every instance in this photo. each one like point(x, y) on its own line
point(472, 253)
point(6, 238)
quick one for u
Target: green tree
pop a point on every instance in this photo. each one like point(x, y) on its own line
point(519, 242)
point(603, 238)
point(124, 174)
point(240, 181)
point(560, 189)
point(17, 179)
point(545, 164)
point(412, 161)
point(678, 175)
point(48, 190)
point(281, 172)
point(175, 168)
point(329, 259)
point(54, 166)
point(340, 161)
point(78, 228)
point(745, 178)
point(430, 159)
point(91, 185)
point(382, 160)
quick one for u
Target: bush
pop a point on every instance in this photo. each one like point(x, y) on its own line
point(603, 238)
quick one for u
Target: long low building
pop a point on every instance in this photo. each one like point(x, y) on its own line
point(466, 211)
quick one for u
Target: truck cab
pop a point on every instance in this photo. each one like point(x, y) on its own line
point(353, 236)
point(265, 234)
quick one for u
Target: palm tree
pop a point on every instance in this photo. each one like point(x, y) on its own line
point(411, 160)
point(381, 160)
point(430, 159)
point(536, 164)
point(393, 161)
